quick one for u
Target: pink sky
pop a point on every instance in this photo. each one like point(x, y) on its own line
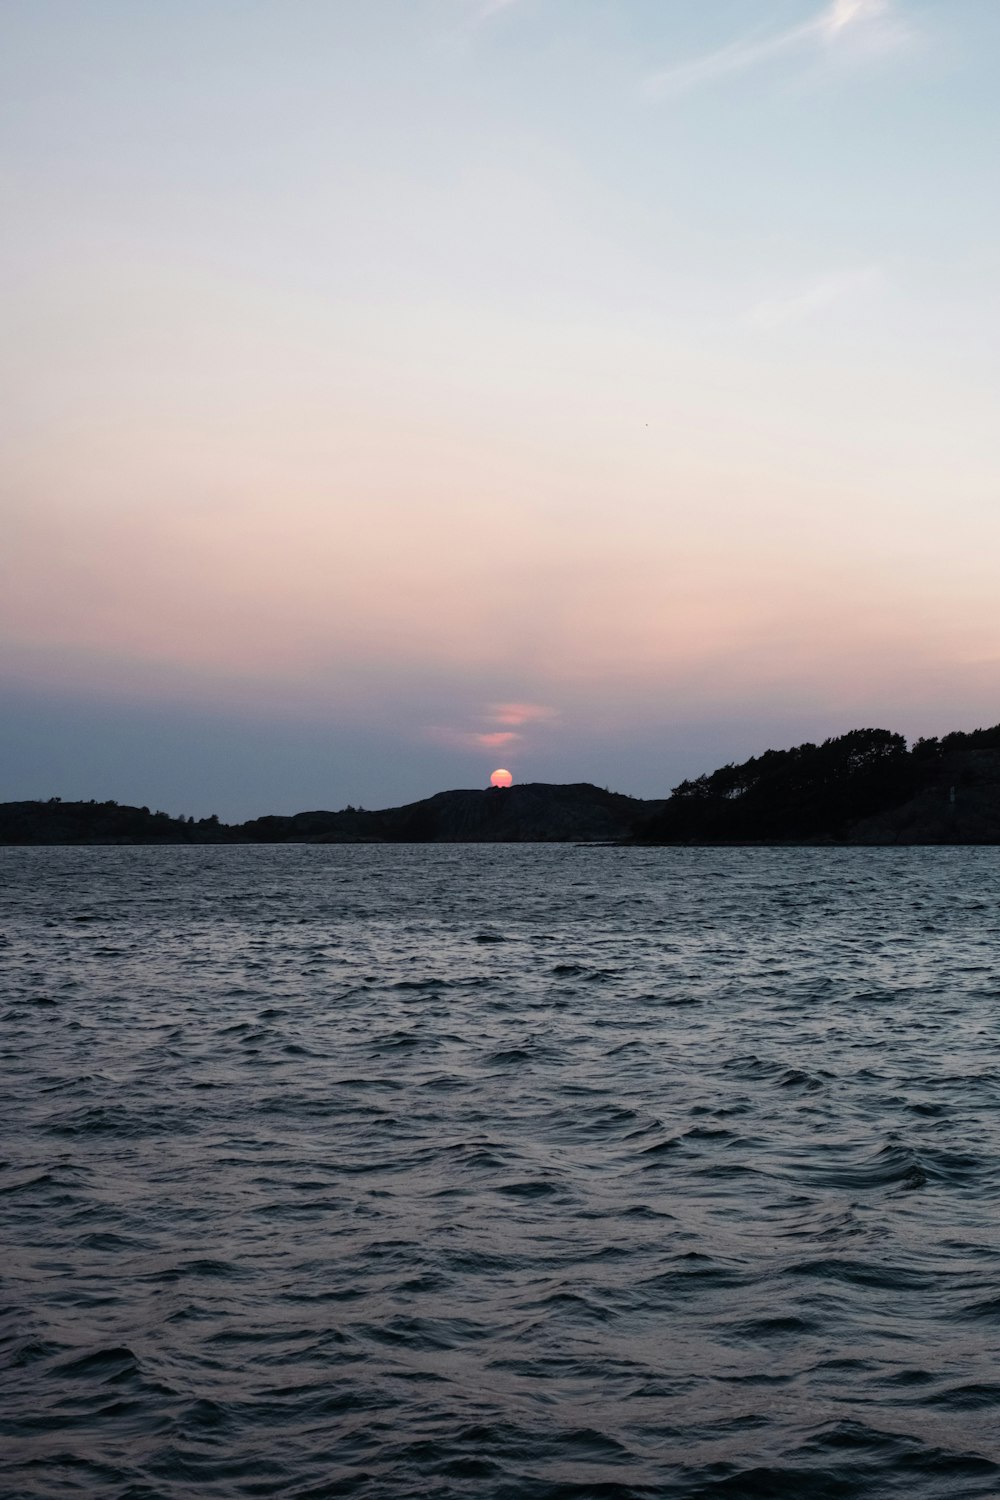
point(476, 411)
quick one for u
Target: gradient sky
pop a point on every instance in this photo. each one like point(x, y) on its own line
point(395, 389)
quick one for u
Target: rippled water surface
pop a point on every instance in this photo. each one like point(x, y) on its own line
point(499, 1172)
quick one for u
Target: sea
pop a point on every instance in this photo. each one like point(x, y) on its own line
point(507, 1172)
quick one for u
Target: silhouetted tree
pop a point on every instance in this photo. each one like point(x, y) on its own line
point(806, 792)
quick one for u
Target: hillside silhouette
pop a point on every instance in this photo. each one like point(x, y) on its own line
point(59, 822)
point(533, 812)
point(530, 813)
point(863, 787)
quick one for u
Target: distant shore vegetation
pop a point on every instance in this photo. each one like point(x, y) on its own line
point(866, 786)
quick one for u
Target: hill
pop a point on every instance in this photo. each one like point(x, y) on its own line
point(535, 812)
point(864, 787)
point(531, 813)
point(58, 822)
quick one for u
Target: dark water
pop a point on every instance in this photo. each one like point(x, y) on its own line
point(500, 1172)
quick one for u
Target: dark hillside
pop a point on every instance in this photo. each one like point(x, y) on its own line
point(533, 813)
point(861, 787)
point(58, 822)
point(957, 802)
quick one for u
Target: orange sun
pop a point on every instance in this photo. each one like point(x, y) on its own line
point(501, 778)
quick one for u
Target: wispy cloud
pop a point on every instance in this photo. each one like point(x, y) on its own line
point(876, 22)
point(496, 738)
point(521, 713)
point(510, 718)
point(471, 739)
point(485, 10)
point(812, 297)
point(473, 16)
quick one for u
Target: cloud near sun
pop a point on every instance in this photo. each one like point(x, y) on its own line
point(521, 713)
point(513, 717)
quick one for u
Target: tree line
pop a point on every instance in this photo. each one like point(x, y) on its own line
point(809, 791)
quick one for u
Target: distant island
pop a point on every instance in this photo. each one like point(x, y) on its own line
point(866, 787)
point(529, 813)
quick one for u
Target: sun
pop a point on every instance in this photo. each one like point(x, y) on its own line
point(501, 778)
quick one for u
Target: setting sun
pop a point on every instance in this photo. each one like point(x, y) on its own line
point(501, 778)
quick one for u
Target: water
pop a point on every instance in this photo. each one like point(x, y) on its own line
point(499, 1172)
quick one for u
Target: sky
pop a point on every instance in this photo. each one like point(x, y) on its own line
point(397, 389)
